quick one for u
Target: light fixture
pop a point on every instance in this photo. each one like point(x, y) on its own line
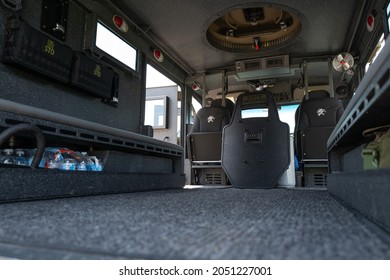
point(196, 86)
point(158, 55)
point(120, 23)
point(370, 22)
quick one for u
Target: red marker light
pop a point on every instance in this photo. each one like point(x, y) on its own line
point(195, 86)
point(370, 23)
point(120, 23)
point(257, 43)
point(158, 55)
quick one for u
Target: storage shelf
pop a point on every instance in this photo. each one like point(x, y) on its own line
point(68, 129)
point(370, 106)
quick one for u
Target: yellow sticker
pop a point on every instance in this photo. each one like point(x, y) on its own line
point(49, 48)
point(97, 72)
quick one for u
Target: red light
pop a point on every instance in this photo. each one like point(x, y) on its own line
point(158, 55)
point(257, 43)
point(370, 23)
point(195, 86)
point(120, 23)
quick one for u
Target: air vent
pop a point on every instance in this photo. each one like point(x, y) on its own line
point(263, 67)
point(253, 65)
point(274, 62)
point(320, 180)
point(213, 179)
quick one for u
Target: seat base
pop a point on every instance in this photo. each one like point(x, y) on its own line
point(315, 175)
point(209, 175)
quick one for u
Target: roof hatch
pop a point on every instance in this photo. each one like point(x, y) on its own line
point(253, 29)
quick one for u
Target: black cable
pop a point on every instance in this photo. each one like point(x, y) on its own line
point(24, 127)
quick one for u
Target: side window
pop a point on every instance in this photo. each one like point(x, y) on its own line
point(377, 50)
point(388, 17)
point(287, 115)
point(254, 113)
point(162, 106)
point(116, 47)
point(195, 106)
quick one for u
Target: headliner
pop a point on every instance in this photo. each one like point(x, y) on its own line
point(180, 28)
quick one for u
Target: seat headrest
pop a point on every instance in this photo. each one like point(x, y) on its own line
point(318, 94)
point(228, 104)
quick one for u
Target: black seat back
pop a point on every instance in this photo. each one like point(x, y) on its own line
point(255, 150)
point(315, 119)
point(211, 119)
point(228, 104)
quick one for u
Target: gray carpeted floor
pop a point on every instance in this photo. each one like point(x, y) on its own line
point(190, 224)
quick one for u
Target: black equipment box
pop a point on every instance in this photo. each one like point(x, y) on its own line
point(93, 77)
point(34, 50)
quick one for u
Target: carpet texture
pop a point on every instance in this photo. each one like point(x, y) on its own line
point(190, 224)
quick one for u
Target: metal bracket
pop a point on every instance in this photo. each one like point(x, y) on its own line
point(54, 18)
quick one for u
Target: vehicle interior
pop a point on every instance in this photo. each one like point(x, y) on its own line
point(271, 142)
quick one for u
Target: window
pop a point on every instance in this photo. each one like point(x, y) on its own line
point(156, 111)
point(164, 116)
point(254, 113)
point(154, 78)
point(388, 16)
point(195, 107)
point(375, 53)
point(116, 47)
point(287, 115)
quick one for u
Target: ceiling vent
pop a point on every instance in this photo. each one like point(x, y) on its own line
point(275, 66)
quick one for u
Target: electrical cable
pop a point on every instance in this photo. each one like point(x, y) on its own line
point(24, 127)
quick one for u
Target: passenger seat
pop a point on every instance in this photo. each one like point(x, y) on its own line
point(315, 120)
point(204, 143)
